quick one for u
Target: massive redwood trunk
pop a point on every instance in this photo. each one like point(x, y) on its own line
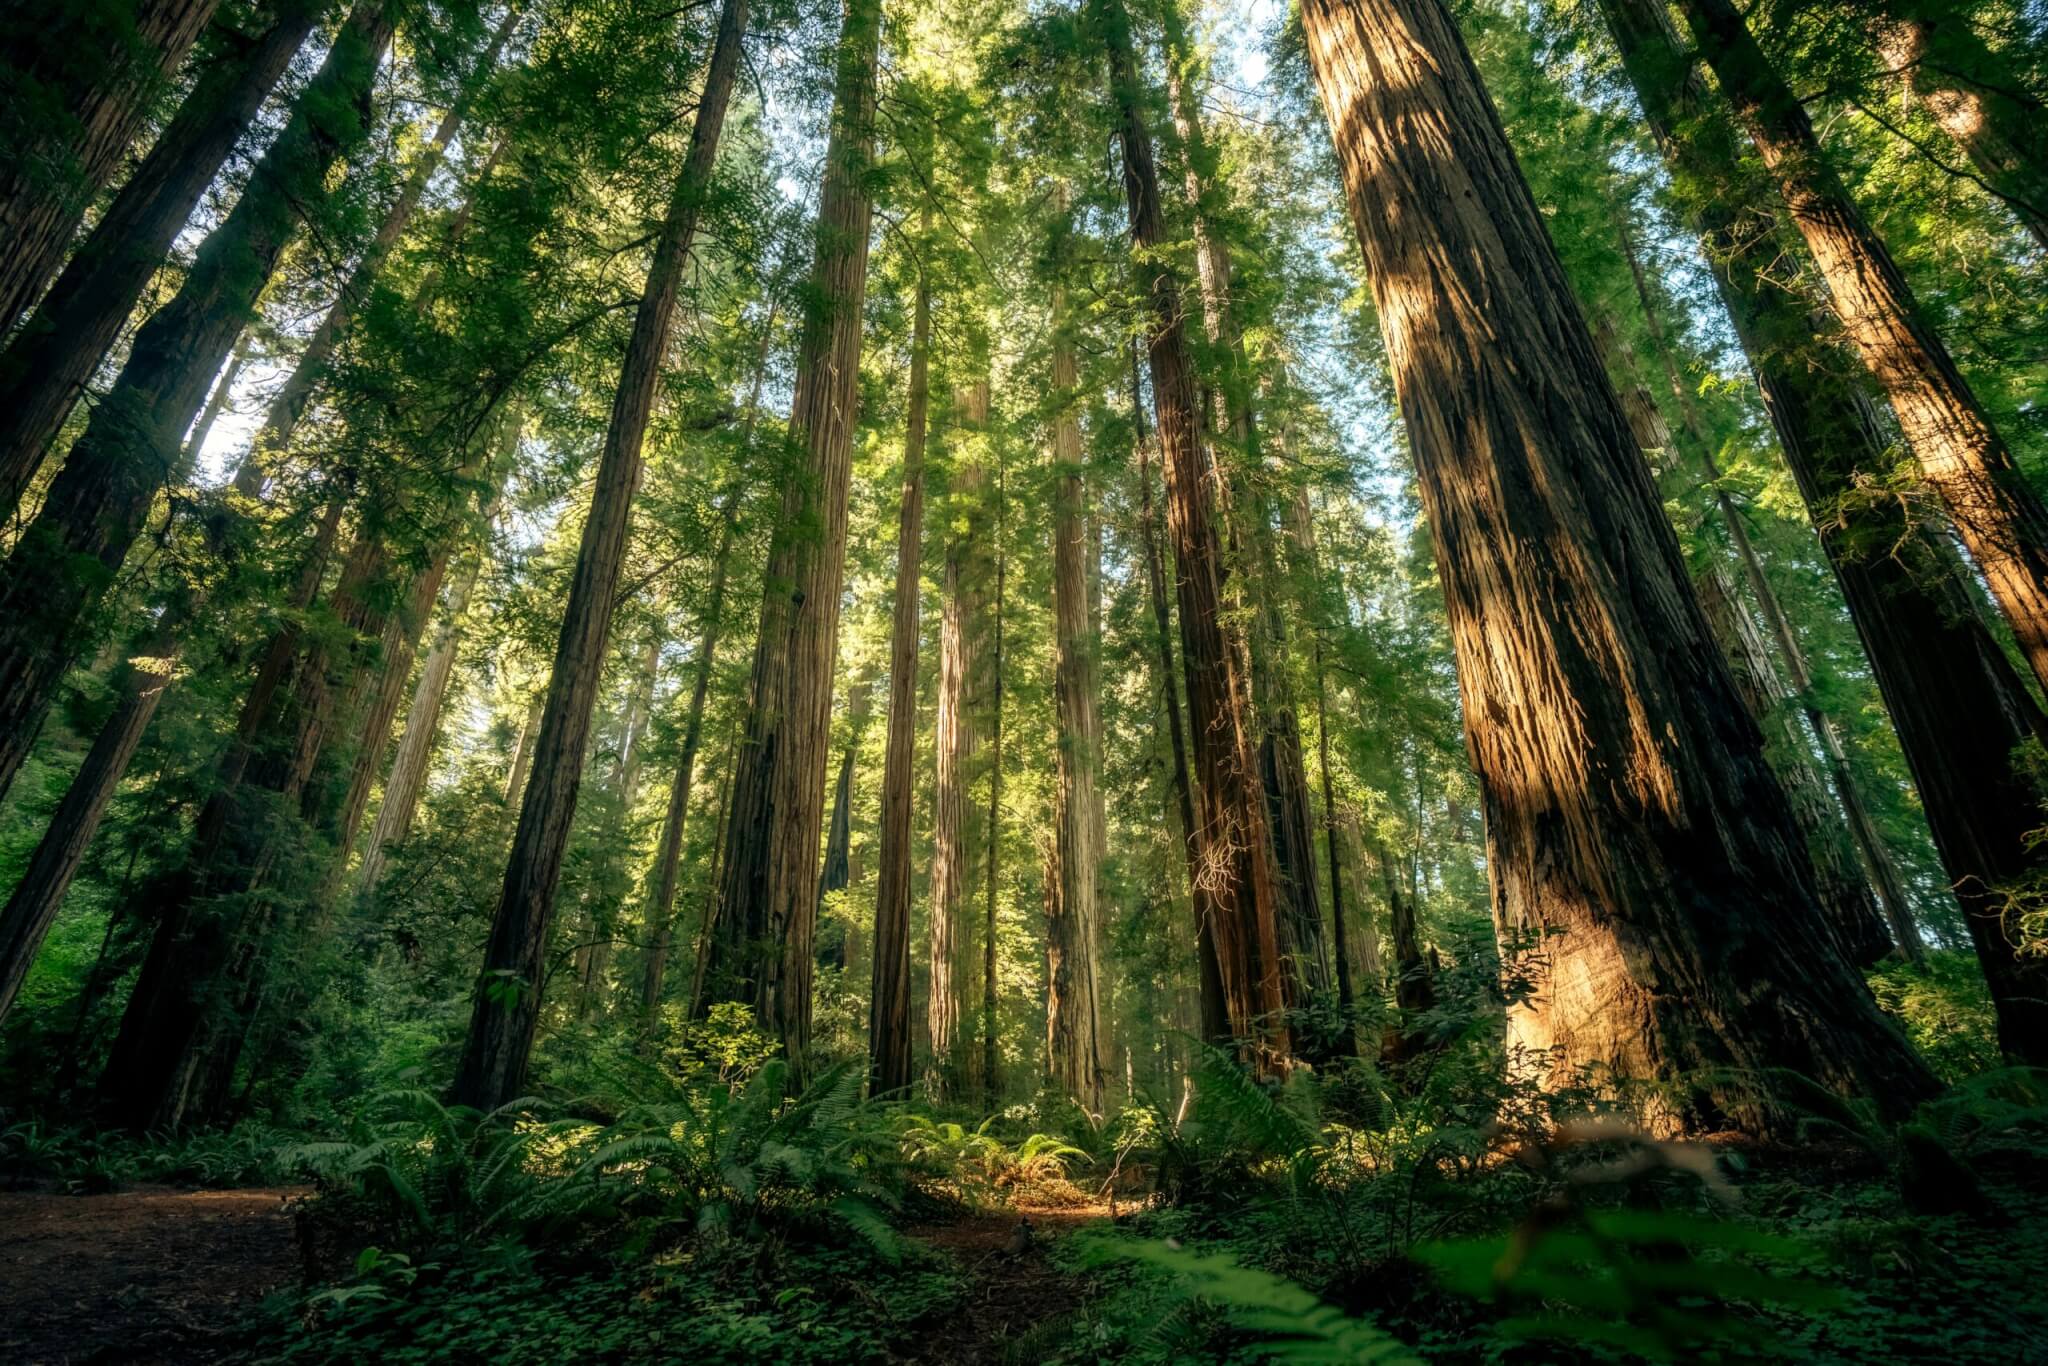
point(507, 1008)
point(1073, 1007)
point(761, 950)
point(1229, 798)
point(64, 562)
point(47, 363)
point(1634, 828)
point(1961, 455)
point(74, 89)
point(1958, 708)
point(889, 1048)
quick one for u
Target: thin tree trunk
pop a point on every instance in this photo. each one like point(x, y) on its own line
point(507, 1010)
point(77, 84)
point(48, 362)
point(522, 751)
point(1236, 843)
point(889, 1047)
point(217, 402)
point(1628, 801)
point(1073, 1011)
point(1961, 455)
point(1959, 709)
point(991, 1079)
point(64, 562)
point(767, 912)
point(1215, 1011)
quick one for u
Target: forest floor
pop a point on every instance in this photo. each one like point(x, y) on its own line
point(1015, 1294)
point(138, 1276)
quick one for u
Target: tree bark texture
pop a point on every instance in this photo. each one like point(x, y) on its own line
point(889, 1047)
point(1960, 454)
point(762, 952)
point(507, 1009)
point(47, 363)
point(1956, 704)
point(1237, 864)
point(1635, 831)
point(75, 87)
point(133, 447)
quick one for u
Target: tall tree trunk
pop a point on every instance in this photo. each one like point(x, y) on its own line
point(48, 362)
point(762, 950)
point(64, 562)
point(1628, 802)
point(991, 1077)
point(1215, 1011)
point(217, 402)
point(889, 1047)
point(1875, 855)
point(1957, 706)
point(1961, 455)
point(76, 85)
point(1073, 1011)
point(32, 907)
point(1975, 96)
point(961, 673)
point(1230, 801)
point(507, 1009)
point(669, 858)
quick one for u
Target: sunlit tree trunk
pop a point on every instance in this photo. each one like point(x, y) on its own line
point(75, 86)
point(990, 1078)
point(1230, 801)
point(889, 1046)
point(1215, 1011)
point(60, 569)
point(1956, 704)
point(1073, 1011)
point(48, 362)
point(761, 952)
point(507, 1007)
point(1976, 97)
point(1631, 816)
point(1961, 455)
point(522, 751)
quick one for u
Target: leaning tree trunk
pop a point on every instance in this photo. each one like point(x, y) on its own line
point(889, 1048)
point(1632, 820)
point(61, 568)
point(1215, 1011)
point(1959, 709)
point(1962, 457)
point(48, 362)
point(761, 952)
point(961, 670)
point(75, 87)
point(1073, 1009)
point(507, 1008)
point(1977, 99)
point(1230, 801)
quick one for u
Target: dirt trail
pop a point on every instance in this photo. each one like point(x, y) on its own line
point(141, 1276)
point(1018, 1303)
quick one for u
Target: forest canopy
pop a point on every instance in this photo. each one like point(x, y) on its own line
point(904, 679)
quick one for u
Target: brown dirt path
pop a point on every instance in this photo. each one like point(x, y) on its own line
point(1018, 1303)
point(143, 1276)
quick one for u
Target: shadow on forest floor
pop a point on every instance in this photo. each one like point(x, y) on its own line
point(1015, 1296)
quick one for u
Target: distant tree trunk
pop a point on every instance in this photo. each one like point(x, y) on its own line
point(889, 1047)
point(76, 85)
point(60, 569)
point(522, 751)
point(1961, 455)
point(1414, 981)
point(217, 402)
point(1628, 801)
point(1977, 99)
point(1215, 1011)
point(507, 1009)
point(1959, 709)
point(991, 1078)
point(1073, 1011)
point(32, 907)
point(767, 908)
point(48, 362)
point(1237, 846)
point(668, 860)
point(961, 669)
